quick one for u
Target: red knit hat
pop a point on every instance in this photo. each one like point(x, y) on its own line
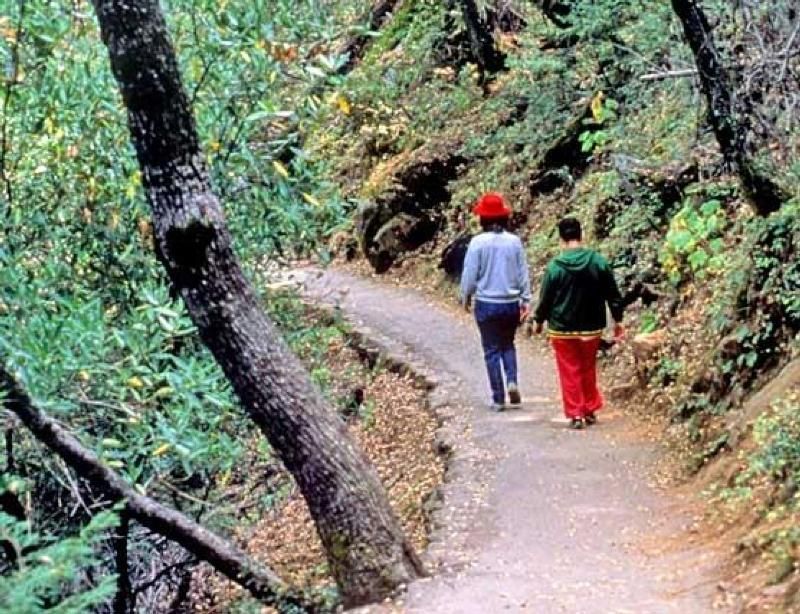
point(492, 205)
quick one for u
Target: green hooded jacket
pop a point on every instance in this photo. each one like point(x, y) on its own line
point(576, 287)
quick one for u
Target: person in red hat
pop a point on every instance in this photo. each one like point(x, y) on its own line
point(496, 276)
point(577, 286)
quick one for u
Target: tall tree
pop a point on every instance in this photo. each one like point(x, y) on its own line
point(488, 57)
point(367, 552)
point(730, 127)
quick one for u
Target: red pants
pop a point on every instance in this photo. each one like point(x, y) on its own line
point(577, 371)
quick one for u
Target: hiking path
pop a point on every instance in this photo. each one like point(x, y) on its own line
point(534, 517)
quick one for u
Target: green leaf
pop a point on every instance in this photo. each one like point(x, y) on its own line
point(698, 259)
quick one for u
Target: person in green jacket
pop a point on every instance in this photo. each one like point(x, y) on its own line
point(577, 286)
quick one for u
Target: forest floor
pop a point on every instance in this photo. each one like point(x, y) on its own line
point(534, 516)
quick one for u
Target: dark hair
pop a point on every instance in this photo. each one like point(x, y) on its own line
point(569, 229)
point(494, 224)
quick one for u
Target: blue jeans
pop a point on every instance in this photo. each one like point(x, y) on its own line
point(498, 324)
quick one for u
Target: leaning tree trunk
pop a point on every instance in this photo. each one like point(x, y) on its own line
point(489, 59)
point(368, 554)
point(731, 132)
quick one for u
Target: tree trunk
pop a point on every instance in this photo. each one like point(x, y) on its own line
point(234, 564)
point(354, 47)
point(489, 59)
point(367, 552)
point(731, 132)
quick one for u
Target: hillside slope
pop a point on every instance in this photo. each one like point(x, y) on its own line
point(601, 117)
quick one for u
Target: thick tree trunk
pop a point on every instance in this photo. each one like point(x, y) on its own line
point(731, 132)
point(236, 565)
point(366, 549)
point(354, 48)
point(489, 59)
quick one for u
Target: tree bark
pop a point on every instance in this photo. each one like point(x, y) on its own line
point(226, 559)
point(367, 552)
point(354, 47)
point(489, 59)
point(731, 132)
point(122, 597)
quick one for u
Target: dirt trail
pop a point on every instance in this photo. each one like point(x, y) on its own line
point(535, 517)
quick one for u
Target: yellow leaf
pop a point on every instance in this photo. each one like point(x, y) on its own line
point(597, 107)
point(135, 382)
point(343, 104)
point(311, 199)
point(163, 392)
point(280, 169)
point(115, 464)
point(162, 449)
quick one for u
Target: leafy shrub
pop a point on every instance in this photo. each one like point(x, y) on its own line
point(694, 244)
point(50, 573)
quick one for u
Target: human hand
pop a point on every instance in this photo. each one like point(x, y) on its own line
point(524, 312)
point(619, 332)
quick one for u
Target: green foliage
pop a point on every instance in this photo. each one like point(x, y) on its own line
point(604, 110)
point(50, 571)
point(667, 370)
point(768, 482)
point(694, 245)
point(85, 315)
point(777, 435)
point(648, 322)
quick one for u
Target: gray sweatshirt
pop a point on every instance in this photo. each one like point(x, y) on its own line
point(496, 270)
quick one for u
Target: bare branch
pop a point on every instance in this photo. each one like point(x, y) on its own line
point(670, 74)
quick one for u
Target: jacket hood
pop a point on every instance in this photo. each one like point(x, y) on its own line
point(575, 259)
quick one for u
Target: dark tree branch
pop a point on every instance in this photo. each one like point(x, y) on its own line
point(489, 59)
point(165, 572)
point(354, 48)
point(236, 565)
point(123, 596)
point(367, 552)
point(9, 440)
point(731, 132)
point(556, 11)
